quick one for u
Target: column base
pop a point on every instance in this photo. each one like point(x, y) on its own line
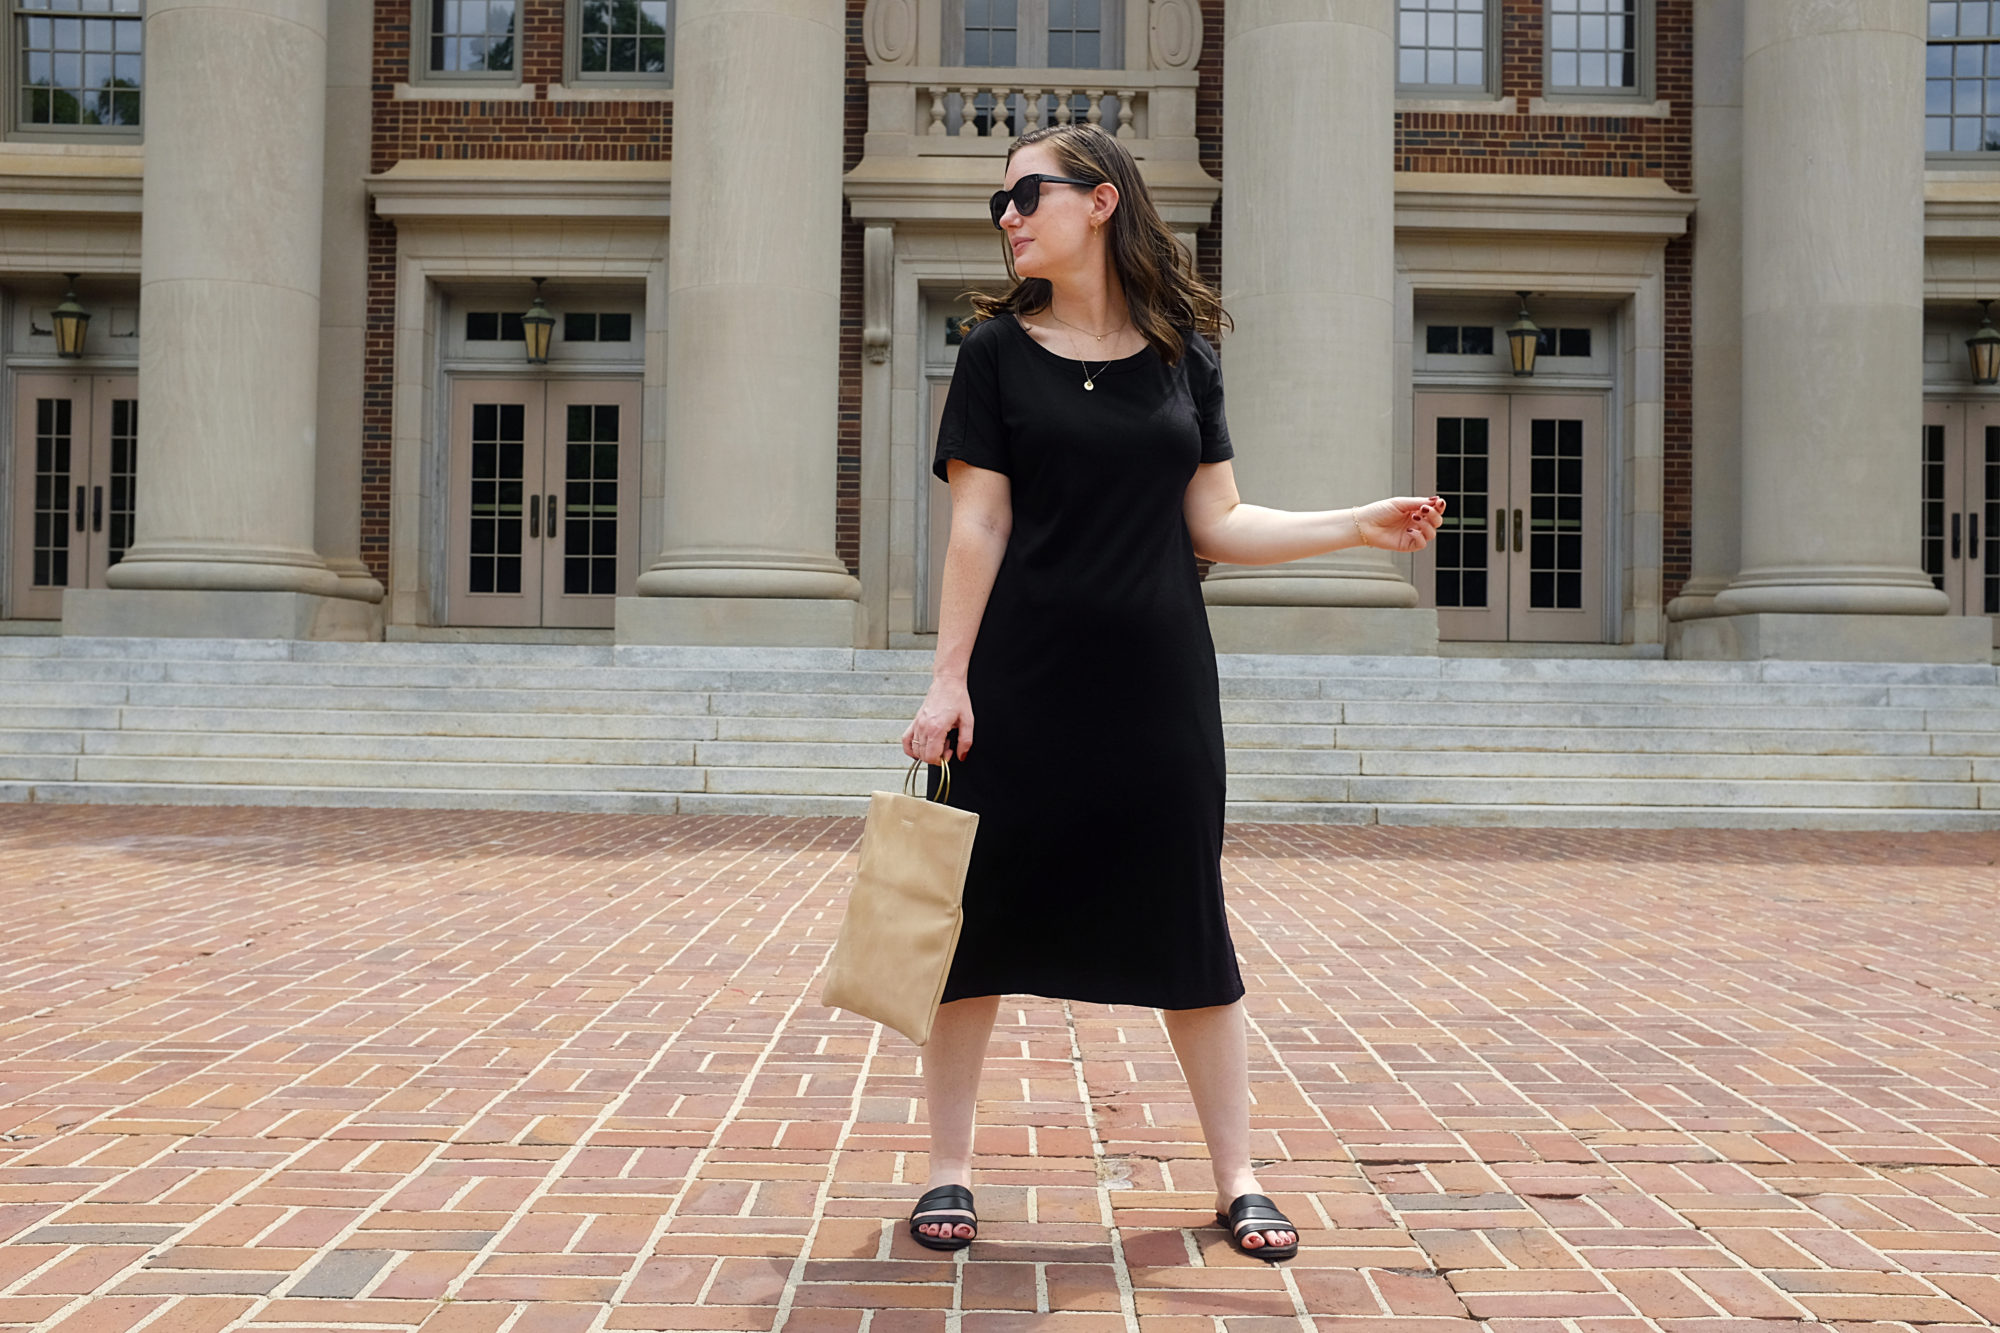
point(1361, 631)
point(1832, 638)
point(739, 622)
point(355, 580)
point(183, 613)
point(1697, 599)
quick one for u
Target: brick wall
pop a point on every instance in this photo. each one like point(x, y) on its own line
point(847, 475)
point(1631, 146)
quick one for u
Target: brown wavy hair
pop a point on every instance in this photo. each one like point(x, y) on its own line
point(1162, 289)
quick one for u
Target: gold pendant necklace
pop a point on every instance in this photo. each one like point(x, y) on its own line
point(1089, 376)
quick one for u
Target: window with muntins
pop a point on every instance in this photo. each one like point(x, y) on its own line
point(79, 66)
point(1593, 45)
point(1962, 78)
point(474, 39)
point(622, 41)
point(1032, 34)
point(1447, 46)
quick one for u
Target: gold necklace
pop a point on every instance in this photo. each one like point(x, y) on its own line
point(1089, 376)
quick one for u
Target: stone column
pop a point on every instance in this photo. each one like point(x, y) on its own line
point(229, 320)
point(1833, 245)
point(1308, 271)
point(753, 333)
point(344, 297)
point(1718, 306)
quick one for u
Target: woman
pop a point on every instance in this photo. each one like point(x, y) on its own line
point(1084, 443)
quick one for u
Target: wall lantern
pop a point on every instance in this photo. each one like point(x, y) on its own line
point(1985, 348)
point(1524, 337)
point(71, 321)
point(538, 326)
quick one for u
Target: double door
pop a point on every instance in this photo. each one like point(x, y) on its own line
point(1961, 498)
point(1521, 554)
point(75, 478)
point(544, 501)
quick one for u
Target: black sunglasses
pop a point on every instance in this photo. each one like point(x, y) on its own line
point(1027, 193)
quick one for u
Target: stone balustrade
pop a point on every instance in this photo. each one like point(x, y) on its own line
point(977, 112)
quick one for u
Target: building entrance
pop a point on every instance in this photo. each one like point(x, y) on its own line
point(544, 500)
point(76, 468)
point(1962, 505)
point(1522, 552)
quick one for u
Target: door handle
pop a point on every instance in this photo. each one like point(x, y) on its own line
point(1954, 536)
point(534, 516)
point(1972, 536)
point(79, 508)
point(552, 515)
point(1499, 529)
point(97, 509)
point(1517, 530)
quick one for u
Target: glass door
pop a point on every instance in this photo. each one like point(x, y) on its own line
point(76, 451)
point(1961, 500)
point(1522, 551)
point(544, 494)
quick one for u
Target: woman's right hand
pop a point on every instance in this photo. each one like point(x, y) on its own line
point(946, 705)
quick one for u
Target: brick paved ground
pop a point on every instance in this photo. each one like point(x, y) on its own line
point(471, 1072)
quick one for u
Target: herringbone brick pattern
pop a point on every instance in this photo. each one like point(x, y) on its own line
point(472, 1072)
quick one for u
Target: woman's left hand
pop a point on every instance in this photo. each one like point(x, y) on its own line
point(1401, 524)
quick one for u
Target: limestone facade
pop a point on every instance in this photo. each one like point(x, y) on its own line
point(1751, 429)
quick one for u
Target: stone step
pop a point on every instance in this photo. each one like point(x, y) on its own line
point(616, 751)
point(1430, 814)
point(371, 677)
point(1512, 790)
point(39, 740)
point(430, 798)
point(399, 749)
point(198, 771)
point(418, 722)
point(1689, 767)
point(1585, 715)
point(604, 677)
point(918, 660)
point(28, 716)
point(17, 695)
point(1619, 816)
point(1616, 740)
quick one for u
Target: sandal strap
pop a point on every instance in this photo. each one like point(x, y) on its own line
point(1254, 1212)
point(945, 1199)
point(950, 1195)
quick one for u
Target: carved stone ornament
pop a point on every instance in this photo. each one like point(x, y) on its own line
point(878, 275)
point(889, 31)
point(1174, 27)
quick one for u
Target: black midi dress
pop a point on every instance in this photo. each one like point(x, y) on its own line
point(1097, 762)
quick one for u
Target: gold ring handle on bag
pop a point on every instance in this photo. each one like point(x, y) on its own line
point(944, 785)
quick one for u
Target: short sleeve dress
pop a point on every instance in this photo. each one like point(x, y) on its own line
point(1097, 761)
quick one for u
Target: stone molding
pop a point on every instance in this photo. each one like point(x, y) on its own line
point(72, 179)
point(602, 191)
point(1574, 205)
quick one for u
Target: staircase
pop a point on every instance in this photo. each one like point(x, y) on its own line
point(1501, 741)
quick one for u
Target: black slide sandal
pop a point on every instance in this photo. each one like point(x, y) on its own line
point(940, 1206)
point(1254, 1212)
